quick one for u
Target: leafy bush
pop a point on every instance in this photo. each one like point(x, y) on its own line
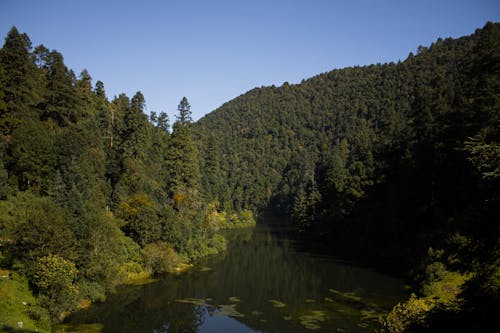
point(54, 278)
point(407, 314)
point(160, 257)
point(441, 292)
point(92, 291)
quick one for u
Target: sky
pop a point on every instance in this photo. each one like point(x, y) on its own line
point(212, 51)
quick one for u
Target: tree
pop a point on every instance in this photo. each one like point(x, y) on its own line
point(136, 136)
point(160, 121)
point(32, 157)
point(184, 161)
point(163, 122)
point(61, 101)
point(39, 227)
point(20, 84)
point(184, 109)
point(54, 277)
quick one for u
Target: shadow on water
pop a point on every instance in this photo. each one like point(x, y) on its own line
point(262, 284)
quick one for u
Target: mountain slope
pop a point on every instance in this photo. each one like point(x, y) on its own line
point(394, 163)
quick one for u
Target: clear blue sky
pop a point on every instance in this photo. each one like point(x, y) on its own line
point(213, 51)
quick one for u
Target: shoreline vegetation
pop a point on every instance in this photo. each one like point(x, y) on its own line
point(19, 308)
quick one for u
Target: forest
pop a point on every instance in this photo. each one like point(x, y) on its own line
point(394, 165)
point(93, 192)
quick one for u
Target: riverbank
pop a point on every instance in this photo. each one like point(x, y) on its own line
point(19, 310)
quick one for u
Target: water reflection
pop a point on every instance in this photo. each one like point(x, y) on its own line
point(262, 284)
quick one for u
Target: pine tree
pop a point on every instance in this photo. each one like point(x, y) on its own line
point(163, 122)
point(184, 109)
point(136, 136)
point(61, 100)
point(19, 84)
point(184, 161)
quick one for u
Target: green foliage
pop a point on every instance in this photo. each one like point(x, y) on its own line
point(441, 294)
point(160, 257)
point(36, 227)
point(217, 220)
point(184, 109)
point(60, 103)
point(90, 183)
point(484, 155)
point(54, 277)
point(20, 83)
point(445, 288)
point(183, 164)
point(404, 315)
point(32, 156)
point(53, 274)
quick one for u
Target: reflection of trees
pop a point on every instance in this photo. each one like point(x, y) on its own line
point(268, 267)
point(258, 266)
point(148, 308)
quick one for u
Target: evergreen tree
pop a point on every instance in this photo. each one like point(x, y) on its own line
point(184, 161)
point(19, 82)
point(163, 122)
point(184, 109)
point(61, 101)
point(136, 136)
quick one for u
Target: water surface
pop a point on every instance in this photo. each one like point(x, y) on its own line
point(262, 284)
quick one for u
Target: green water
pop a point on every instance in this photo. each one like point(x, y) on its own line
point(262, 284)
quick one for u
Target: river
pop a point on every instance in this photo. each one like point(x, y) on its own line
point(263, 283)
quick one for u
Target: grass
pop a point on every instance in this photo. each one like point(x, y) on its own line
point(18, 306)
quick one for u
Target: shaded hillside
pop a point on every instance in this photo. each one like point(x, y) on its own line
point(400, 136)
point(395, 163)
point(274, 141)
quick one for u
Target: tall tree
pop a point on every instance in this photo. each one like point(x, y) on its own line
point(62, 104)
point(136, 134)
point(184, 109)
point(184, 161)
point(19, 88)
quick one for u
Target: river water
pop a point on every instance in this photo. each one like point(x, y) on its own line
point(263, 283)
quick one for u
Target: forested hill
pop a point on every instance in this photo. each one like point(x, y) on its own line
point(396, 160)
point(272, 143)
point(93, 192)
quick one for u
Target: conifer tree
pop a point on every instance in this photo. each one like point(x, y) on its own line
point(136, 136)
point(62, 104)
point(184, 161)
point(184, 109)
point(19, 82)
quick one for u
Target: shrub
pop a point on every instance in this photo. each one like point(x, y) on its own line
point(54, 278)
point(160, 257)
point(407, 314)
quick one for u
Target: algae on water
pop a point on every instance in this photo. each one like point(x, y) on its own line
point(277, 304)
point(312, 319)
point(195, 301)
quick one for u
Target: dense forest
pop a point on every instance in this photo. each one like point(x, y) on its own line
point(93, 192)
point(396, 164)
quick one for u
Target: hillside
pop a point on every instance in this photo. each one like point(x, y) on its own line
point(394, 163)
point(93, 192)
